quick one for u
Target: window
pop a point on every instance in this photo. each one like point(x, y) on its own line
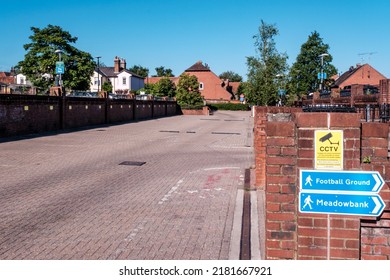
point(96, 81)
point(124, 81)
point(201, 86)
point(21, 80)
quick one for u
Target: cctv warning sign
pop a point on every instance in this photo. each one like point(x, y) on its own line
point(328, 149)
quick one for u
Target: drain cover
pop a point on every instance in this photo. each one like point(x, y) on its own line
point(133, 163)
point(228, 133)
point(170, 131)
point(234, 120)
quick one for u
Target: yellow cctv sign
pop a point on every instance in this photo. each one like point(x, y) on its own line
point(329, 149)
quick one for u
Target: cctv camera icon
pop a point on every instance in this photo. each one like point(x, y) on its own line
point(327, 138)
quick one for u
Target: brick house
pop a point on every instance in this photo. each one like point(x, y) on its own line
point(360, 75)
point(211, 87)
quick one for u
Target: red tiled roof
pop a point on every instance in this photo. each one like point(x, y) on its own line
point(198, 67)
point(234, 86)
point(7, 78)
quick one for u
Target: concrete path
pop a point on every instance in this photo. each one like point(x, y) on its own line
point(67, 196)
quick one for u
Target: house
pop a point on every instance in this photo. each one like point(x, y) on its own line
point(7, 77)
point(4, 89)
point(211, 87)
point(360, 75)
point(121, 79)
point(23, 85)
point(12, 83)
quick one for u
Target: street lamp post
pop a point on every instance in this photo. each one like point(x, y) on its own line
point(322, 70)
point(98, 57)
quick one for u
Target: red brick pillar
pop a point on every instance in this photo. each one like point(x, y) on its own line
point(260, 145)
point(321, 236)
point(281, 196)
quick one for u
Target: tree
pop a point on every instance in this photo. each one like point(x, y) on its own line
point(40, 60)
point(107, 87)
point(188, 94)
point(304, 72)
point(162, 72)
point(140, 71)
point(244, 88)
point(165, 87)
point(231, 76)
point(264, 69)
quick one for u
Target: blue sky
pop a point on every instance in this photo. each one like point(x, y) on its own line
point(176, 34)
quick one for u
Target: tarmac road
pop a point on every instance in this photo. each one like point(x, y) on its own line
point(67, 196)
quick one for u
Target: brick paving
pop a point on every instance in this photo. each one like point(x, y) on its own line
point(66, 196)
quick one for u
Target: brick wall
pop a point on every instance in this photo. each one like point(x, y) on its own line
point(284, 143)
point(84, 112)
point(260, 146)
point(25, 114)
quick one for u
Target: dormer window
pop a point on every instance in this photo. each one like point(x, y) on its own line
point(201, 86)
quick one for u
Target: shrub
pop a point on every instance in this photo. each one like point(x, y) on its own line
point(229, 106)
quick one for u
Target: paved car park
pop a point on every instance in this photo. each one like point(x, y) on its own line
point(156, 189)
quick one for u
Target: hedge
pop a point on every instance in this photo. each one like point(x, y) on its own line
point(229, 106)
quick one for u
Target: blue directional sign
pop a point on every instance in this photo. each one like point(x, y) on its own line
point(60, 67)
point(342, 204)
point(343, 181)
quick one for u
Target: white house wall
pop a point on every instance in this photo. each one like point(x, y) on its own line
point(132, 82)
point(21, 79)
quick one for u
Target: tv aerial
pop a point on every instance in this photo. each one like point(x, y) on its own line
point(366, 54)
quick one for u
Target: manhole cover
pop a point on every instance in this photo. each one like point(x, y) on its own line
point(133, 163)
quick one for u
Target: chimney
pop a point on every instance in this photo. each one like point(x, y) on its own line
point(123, 64)
point(116, 65)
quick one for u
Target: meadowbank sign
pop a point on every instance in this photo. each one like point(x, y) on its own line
point(342, 204)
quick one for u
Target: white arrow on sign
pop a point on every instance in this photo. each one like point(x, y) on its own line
point(378, 205)
point(378, 182)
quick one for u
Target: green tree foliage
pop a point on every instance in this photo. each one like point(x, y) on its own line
point(165, 87)
point(188, 94)
point(264, 69)
point(304, 72)
point(244, 88)
point(162, 72)
point(231, 76)
point(40, 60)
point(107, 87)
point(139, 70)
